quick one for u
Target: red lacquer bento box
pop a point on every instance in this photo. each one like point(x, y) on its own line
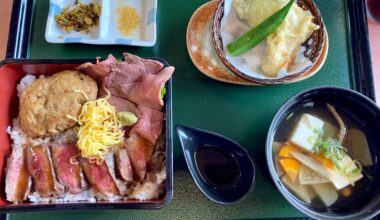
point(11, 72)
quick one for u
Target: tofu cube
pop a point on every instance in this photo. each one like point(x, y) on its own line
point(304, 134)
point(347, 165)
point(351, 167)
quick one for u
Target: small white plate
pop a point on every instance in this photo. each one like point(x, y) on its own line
point(106, 32)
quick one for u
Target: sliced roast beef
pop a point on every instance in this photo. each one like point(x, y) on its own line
point(131, 70)
point(123, 105)
point(67, 167)
point(125, 74)
point(146, 92)
point(139, 151)
point(149, 125)
point(99, 177)
point(120, 184)
point(41, 169)
point(123, 164)
point(17, 181)
point(139, 66)
point(99, 70)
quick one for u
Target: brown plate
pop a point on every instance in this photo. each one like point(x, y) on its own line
point(201, 49)
point(313, 51)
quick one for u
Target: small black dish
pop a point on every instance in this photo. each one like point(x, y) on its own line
point(221, 168)
point(367, 115)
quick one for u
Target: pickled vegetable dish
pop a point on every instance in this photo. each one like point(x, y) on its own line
point(81, 18)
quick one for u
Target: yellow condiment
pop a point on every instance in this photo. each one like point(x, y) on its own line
point(99, 129)
point(127, 20)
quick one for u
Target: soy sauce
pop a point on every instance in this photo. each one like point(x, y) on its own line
point(218, 168)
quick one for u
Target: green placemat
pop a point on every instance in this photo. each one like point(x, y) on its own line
point(239, 112)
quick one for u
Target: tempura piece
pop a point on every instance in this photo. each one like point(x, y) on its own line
point(285, 42)
point(253, 12)
point(283, 45)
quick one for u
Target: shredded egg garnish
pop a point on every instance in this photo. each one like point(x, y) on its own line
point(99, 129)
point(83, 93)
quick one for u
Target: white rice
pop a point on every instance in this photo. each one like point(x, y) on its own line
point(17, 135)
point(144, 190)
point(87, 195)
point(68, 136)
point(24, 83)
point(161, 176)
point(102, 197)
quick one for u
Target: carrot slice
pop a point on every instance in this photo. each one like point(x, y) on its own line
point(291, 167)
point(346, 192)
point(323, 160)
point(286, 151)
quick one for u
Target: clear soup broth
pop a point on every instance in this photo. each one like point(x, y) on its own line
point(322, 156)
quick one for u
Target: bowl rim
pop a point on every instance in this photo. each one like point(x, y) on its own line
point(269, 154)
point(218, 44)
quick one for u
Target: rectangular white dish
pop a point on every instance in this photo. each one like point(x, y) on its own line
point(106, 32)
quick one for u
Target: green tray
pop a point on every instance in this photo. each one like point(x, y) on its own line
point(240, 112)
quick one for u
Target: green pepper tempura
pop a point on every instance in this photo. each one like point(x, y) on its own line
point(255, 36)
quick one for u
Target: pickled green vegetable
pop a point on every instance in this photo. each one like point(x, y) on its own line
point(127, 118)
point(80, 18)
